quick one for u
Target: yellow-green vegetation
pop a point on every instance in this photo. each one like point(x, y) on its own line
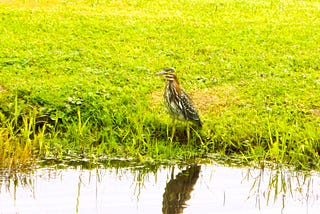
point(76, 79)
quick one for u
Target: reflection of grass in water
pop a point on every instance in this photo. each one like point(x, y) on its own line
point(281, 184)
point(268, 186)
point(10, 181)
point(19, 152)
point(77, 78)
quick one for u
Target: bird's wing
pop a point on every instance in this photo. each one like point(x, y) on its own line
point(188, 109)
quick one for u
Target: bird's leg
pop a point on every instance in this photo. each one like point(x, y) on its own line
point(168, 131)
point(173, 129)
point(188, 132)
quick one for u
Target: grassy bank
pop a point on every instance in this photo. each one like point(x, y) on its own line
point(76, 79)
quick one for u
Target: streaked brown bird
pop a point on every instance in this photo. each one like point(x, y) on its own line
point(178, 102)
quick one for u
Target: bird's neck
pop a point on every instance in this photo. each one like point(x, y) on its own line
point(175, 85)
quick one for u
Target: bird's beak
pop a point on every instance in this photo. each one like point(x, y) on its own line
point(160, 73)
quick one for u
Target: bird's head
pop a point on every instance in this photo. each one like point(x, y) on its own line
point(168, 73)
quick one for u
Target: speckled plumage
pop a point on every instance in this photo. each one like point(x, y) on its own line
point(178, 102)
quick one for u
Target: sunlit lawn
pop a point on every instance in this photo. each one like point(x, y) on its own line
point(77, 78)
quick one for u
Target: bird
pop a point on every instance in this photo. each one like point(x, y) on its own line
point(178, 102)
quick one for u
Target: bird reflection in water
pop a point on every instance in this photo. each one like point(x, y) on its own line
point(178, 190)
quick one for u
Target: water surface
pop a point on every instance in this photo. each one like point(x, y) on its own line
point(160, 189)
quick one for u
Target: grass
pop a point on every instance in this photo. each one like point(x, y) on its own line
point(76, 79)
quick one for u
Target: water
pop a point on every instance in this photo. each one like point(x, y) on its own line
point(160, 189)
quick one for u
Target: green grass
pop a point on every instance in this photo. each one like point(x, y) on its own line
point(76, 78)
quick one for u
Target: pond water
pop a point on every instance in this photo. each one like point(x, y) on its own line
point(208, 188)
